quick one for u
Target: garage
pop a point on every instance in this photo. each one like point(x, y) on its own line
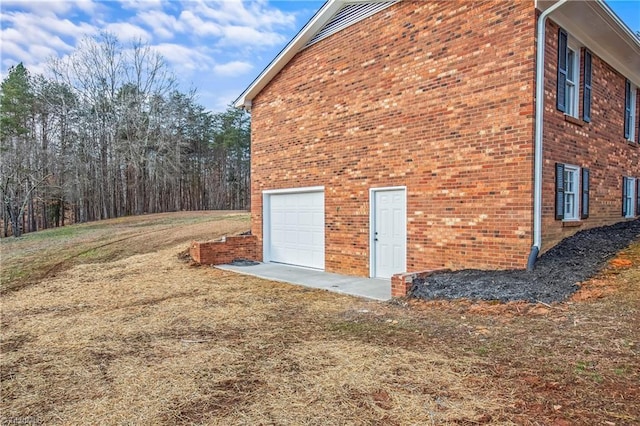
point(294, 228)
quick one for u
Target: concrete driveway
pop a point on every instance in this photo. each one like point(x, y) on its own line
point(370, 288)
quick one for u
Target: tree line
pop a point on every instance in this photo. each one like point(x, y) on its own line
point(107, 133)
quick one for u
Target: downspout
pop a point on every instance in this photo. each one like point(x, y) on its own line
point(537, 171)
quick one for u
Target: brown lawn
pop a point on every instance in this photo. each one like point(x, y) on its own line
point(106, 323)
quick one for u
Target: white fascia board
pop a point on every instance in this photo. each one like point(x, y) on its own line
point(618, 21)
point(326, 12)
point(630, 64)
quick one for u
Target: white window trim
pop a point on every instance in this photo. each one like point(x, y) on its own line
point(576, 193)
point(631, 196)
point(632, 122)
point(573, 102)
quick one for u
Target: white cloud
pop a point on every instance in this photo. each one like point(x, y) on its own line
point(66, 27)
point(248, 36)
point(51, 7)
point(33, 39)
point(39, 51)
point(128, 32)
point(162, 24)
point(235, 12)
point(235, 22)
point(88, 6)
point(183, 57)
point(233, 68)
point(141, 4)
point(217, 100)
point(270, 17)
point(199, 27)
point(34, 57)
point(39, 7)
point(11, 49)
point(27, 31)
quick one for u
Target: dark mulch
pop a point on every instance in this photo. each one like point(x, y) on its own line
point(556, 275)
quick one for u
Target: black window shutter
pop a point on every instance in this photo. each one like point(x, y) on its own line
point(585, 194)
point(561, 95)
point(559, 191)
point(627, 109)
point(624, 197)
point(586, 92)
point(637, 196)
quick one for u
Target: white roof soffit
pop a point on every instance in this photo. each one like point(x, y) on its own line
point(321, 25)
point(599, 29)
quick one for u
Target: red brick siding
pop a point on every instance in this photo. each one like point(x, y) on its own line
point(437, 96)
point(221, 252)
point(599, 145)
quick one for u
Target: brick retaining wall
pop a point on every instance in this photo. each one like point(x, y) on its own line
point(225, 251)
point(401, 283)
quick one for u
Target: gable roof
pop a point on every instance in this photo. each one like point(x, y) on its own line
point(333, 16)
point(592, 22)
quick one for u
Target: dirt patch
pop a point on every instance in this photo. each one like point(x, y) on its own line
point(556, 276)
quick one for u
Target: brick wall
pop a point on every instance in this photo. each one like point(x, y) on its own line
point(225, 251)
point(598, 145)
point(423, 94)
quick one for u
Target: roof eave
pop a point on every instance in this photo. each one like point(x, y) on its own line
point(609, 37)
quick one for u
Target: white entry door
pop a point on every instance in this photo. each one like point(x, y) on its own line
point(296, 229)
point(389, 232)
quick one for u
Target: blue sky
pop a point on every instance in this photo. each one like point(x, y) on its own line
point(218, 47)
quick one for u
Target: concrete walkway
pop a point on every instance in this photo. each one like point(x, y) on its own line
point(371, 288)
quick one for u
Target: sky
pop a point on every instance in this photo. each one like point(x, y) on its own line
point(217, 47)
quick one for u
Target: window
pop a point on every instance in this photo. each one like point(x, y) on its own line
point(572, 192)
point(629, 111)
point(629, 197)
point(572, 80)
point(569, 75)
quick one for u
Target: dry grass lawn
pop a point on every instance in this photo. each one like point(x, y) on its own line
point(106, 324)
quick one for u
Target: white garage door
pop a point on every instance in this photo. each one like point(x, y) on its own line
point(297, 229)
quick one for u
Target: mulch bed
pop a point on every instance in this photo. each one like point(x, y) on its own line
point(556, 276)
